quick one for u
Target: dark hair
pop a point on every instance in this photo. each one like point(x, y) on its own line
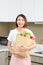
point(23, 18)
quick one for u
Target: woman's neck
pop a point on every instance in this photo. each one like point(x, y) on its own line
point(20, 29)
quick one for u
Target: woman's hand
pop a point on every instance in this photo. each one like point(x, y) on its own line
point(10, 48)
point(22, 48)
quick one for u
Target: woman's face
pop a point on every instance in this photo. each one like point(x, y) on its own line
point(20, 21)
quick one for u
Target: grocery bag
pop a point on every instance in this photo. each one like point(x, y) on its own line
point(22, 40)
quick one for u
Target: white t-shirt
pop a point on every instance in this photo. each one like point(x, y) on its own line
point(14, 32)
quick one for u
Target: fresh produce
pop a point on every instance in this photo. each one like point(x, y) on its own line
point(27, 34)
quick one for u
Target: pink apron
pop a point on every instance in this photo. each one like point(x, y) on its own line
point(20, 61)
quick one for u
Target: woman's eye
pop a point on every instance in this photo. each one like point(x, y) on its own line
point(22, 20)
point(18, 19)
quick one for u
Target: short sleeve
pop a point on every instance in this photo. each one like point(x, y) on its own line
point(10, 36)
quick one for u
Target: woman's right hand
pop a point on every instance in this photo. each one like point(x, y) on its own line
point(10, 48)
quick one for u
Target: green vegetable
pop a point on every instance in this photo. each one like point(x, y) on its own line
point(25, 34)
point(19, 34)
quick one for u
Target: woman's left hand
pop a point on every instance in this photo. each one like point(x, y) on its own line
point(23, 48)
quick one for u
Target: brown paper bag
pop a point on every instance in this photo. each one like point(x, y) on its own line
point(22, 41)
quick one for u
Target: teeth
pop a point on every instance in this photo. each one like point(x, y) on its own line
point(20, 24)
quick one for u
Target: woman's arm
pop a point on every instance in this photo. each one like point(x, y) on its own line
point(31, 46)
point(10, 48)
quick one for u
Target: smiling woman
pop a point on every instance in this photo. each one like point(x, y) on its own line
point(21, 23)
point(21, 18)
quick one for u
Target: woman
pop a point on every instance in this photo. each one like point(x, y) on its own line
point(21, 23)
